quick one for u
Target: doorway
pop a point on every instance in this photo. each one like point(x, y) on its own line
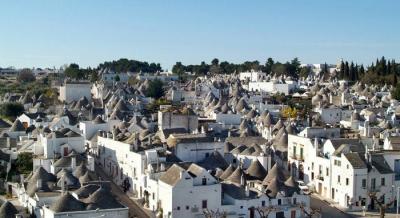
point(65, 151)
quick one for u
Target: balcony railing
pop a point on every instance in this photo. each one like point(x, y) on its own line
point(297, 157)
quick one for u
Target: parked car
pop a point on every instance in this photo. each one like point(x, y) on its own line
point(304, 188)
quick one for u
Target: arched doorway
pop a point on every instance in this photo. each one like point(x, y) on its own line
point(146, 198)
point(301, 172)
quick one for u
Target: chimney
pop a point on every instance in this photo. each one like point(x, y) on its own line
point(73, 162)
point(366, 129)
point(247, 190)
point(149, 140)
point(39, 183)
point(316, 145)
point(180, 174)
point(63, 184)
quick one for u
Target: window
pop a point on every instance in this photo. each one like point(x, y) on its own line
point(178, 208)
point(312, 165)
point(294, 201)
point(363, 201)
point(364, 183)
point(204, 181)
point(263, 203)
point(383, 182)
point(153, 195)
point(207, 154)
point(338, 179)
point(397, 169)
point(279, 201)
point(204, 204)
point(373, 183)
point(347, 181)
point(294, 151)
point(301, 153)
point(187, 207)
point(327, 171)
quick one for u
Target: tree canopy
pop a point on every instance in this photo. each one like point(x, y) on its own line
point(26, 75)
point(11, 110)
point(381, 72)
point(216, 66)
point(124, 65)
point(155, 89)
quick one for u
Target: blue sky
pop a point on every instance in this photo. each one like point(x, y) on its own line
point(49, 33)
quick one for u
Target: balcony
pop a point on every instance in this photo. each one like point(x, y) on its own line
point(319, 177)
point(297, 157)
point(374, 189)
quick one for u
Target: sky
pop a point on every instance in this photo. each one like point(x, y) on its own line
point(51, 33)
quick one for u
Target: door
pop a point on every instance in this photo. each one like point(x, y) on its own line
point(293, 214)
point(301, 172)
point(372, 205)
point(397, 169)
point(333, 194)
point(65, 151)
point(251, 209)
point(280, 214)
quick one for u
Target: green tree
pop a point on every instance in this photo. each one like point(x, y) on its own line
point(155, 89)
point(215, 68)
point(279, 68)
point(117, 78)
point(396, 92)
point(26, 75)
point(178, 69)
point(342, 70)
point(352, 76)
point(11, 110)
point(24, 163)
point(268, 65)
point(74, 72)
point(215, 61)
point(304, 71)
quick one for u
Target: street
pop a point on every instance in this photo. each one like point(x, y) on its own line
point(326, 209)
point(135, 210)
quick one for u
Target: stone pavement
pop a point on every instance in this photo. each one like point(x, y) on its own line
point(135, 210)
